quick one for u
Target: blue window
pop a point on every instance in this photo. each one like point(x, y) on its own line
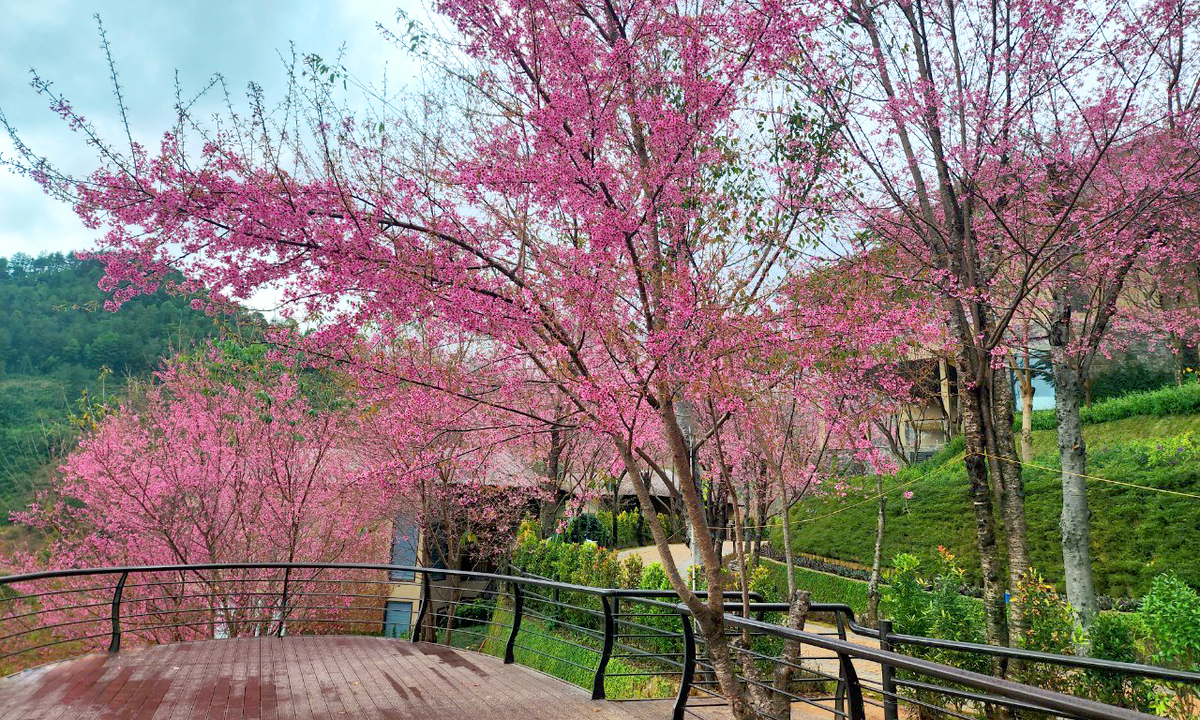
point(397, 619)
point(404, 550)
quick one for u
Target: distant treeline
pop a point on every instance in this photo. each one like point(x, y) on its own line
point(56, 341)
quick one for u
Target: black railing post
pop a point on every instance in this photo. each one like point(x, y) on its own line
point(114, 645)
point(616, 601)
point(840, 696)
point(283, 600)
point(606, 650)
point(689, 667)
point(426, 599)
point(518, 604)
point(853, 688)
point(890, 708)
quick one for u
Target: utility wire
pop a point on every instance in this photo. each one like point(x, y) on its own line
point(1147, 488)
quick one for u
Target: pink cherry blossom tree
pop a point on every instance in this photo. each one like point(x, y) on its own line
point(217, 460)
point(601, 206)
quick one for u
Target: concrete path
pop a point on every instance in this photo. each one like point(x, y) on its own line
point(681, 553)
point(868, 672)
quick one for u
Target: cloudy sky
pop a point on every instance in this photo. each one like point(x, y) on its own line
point(151, 41)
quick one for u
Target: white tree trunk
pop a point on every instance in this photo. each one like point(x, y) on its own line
point(1074, 521)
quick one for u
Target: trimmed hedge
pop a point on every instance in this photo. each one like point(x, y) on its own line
point(824, 588)
point(1183, 400)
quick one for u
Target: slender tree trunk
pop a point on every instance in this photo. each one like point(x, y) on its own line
point(1179, 354)
point(1016, 534)
point(1072, 453)
point(767, 691)
point(788, 555)
point(877, 559)
point(1025, 377)
point(973, 394)
point(944, 393)
point(548, 510)
point(708, 615)
point(1027, 421)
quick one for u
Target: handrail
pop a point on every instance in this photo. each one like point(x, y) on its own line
point(993, 689)
point(1037, 656)
point(1048, 699)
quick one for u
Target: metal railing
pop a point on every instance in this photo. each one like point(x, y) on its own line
point(641, 643)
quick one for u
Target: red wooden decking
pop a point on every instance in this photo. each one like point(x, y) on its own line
point(306, 678)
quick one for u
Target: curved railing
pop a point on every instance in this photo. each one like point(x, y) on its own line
point(890, 640)
point(621, 642)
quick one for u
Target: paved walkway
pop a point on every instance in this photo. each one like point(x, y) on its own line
point(306, 678)
point(682, 554)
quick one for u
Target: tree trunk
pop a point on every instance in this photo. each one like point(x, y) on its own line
point(1027, 424)
point(877, 559)
point(944, 392)
point(707, 614)
point(1016, 534)
point(1025, 377)
point(548, 510)
point(766, 693)
point(1072, 453)
point(973, 394)
point(788, 555)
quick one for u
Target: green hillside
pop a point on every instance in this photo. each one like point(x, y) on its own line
point(1136, 533)
point(56, 340)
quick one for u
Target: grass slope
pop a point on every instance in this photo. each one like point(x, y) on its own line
point(1136, 534)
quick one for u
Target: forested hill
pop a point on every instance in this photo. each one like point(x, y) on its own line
point(57, 340)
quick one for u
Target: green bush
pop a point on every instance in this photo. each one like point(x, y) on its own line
point(1051, 628)
point(1116, 636)
point(1183, 400)
point(477, 610)
point(632, 530)
point(586, 527)
point(822, 587)
point(653, 578)
point(1127, 379)
point(1171, 615)
point(941, 612)
point(569, 656)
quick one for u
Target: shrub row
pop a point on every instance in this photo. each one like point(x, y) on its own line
point(1166, 632)
point(632, 530)
point(1182, 400)
point(861, 576)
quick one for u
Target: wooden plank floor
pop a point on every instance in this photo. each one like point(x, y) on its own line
point(306, 678)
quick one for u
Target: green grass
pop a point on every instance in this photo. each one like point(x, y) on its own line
point(1136, 534)
point(558, 652)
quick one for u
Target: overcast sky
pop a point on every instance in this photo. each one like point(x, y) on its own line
point(151, 40)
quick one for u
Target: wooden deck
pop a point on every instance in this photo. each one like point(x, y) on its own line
point(307, 678)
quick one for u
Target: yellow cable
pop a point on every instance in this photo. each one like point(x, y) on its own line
point(802, 521)
point(1093, 477)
